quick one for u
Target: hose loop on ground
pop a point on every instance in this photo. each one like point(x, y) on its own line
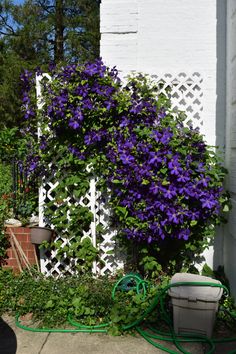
point(137, 283)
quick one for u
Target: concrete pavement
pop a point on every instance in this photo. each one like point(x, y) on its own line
point(14, 340)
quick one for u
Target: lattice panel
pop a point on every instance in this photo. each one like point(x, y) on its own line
point(186, 95)
point(110, 260)
point(49, 263)
point(110, 252)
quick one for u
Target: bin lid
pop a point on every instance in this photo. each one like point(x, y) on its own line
point(194, 293)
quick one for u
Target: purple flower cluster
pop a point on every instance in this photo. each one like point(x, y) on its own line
point(159, 173)
point(156, 168)
point(164, 199)
point(28, 80)
point(80, 95)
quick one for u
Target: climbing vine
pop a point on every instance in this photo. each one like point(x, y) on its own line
point(165, 184)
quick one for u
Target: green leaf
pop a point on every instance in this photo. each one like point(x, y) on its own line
point(226, 208)
point(145, 182)
point(49, 304)
point(110, 252)
point(122, 210)
point(207, 271)
point(71, 291)
point(116, 181)
point(193, 222)
point(76, 302)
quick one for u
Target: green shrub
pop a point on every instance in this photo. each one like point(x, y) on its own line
point(87, 299)
point(5, 179)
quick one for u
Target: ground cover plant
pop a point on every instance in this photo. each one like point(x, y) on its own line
point(50, 300)
point(46, 302)
point(165, 185)
point(86, 299)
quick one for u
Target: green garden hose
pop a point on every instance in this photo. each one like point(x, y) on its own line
point(57, 330)
point(127, 280)
point(134, 281)
point(140, 286)
point(171, 336)
point(87, 327)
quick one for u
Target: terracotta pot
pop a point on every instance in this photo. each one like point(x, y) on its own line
point(39, 234)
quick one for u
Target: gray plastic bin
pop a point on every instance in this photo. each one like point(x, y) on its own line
point(194, 307)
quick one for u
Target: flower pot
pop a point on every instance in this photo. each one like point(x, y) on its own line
point(39, 234)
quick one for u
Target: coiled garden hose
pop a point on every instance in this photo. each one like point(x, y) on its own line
point(171, 336)
point(135, 282)
point(125, 283)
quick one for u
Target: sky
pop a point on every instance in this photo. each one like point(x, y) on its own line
point(17, 2)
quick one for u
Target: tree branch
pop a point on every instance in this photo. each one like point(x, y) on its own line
point(46, 8)
point(8, 34)
point(7, 26)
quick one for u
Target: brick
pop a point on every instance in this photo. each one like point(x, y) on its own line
point(10, 253)
point(21, 237)
point(28, 238)
point(18, 230)
point(32, 261)
point(12, 262)
point(30, 247)
point(15, 230)
point(26, 230)
point(30, 254)
point(25, 246)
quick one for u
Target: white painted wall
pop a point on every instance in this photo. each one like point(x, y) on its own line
point(172, 36)
point(156, 36)
point(230, 237)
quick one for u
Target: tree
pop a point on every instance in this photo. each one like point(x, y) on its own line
point(58, 29)
point(38, 32)
point(10, 68)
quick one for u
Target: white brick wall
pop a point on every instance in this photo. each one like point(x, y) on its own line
point(113, 19)
point(230, 236)
point(156, 36)
point(119, 27)
point(170, 36)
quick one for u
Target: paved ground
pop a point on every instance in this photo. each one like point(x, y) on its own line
point(17, 341)
point(14, 340)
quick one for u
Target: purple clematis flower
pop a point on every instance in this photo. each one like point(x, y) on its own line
point(166, 136)
point(162, 113)
point(173, 216)
point(203, 181)
point(127, 159)
point(169, 193)
point(155, 188)
point(155, 158)
point(175, 166)
point(184, 234)
point(208, 201)
point(124, 122)
point(74, 124)
point(183, 177)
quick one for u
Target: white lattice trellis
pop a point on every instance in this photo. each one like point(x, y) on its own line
point(105, 243)
point(186, 95)
point(186, 92)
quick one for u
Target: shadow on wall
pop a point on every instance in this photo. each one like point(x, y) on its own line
point(8, 342)
point(220, 110)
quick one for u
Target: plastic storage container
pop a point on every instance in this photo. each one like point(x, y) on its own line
point(194, 307)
